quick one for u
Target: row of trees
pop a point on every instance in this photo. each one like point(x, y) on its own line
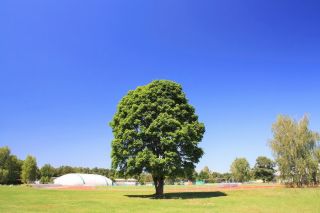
point(264, 169)
point(211, 176)
point(16, 171)
point(10, 167)
point(295, 147)
point(296, 150)
point(205, 174)
point(157, 131)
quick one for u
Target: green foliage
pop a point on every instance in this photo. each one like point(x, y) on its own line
point(213, 177)
point(296, 149)
point(29, 170)
point(144, 178)
point(62, 170)
point(264, 169)
point(4, 170)
point(225, 177)
point(210, 176)
point(204, 174)
point(102, 171)
point(47, 172)
point(240, 170)
point(157, 131)
point(10, 167)
point(45, 179)
point(194, 176)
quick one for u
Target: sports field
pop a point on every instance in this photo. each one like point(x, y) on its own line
point(178, 199)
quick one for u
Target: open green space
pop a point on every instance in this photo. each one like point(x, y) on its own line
point(178, 199)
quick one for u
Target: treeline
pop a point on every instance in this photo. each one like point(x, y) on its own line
point(16, 171)
point(204, 175)
point(295, 147)
point(240, 171)
point(296, 150)
point(209, 176)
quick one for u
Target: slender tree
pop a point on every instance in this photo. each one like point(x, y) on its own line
point(157, 131)
point(4, 170)
point(29, 170)
point(240, 170)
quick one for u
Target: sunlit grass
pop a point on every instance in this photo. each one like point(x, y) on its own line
point(178, 199)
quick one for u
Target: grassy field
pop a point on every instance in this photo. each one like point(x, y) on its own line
point(137, 199)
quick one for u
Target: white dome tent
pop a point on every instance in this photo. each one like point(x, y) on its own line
point(78, 179)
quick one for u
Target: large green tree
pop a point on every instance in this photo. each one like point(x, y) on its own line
point(296, 149)
point(157, 131)
point(240, 170)
point(29, 170)
point(264, 169)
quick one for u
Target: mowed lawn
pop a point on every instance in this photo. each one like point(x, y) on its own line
point(179, 199)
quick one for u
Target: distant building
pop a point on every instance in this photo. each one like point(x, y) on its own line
point(126, 182)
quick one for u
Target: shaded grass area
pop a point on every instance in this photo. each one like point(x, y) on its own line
point(182, 195)
point(139, 199)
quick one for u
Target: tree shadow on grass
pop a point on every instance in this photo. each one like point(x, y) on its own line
point(182, 195)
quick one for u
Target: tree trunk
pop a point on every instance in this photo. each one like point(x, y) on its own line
point(158, 184)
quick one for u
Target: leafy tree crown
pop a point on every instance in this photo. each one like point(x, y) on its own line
point(156, 130)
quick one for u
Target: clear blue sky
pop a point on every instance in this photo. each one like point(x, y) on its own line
point(64, 66)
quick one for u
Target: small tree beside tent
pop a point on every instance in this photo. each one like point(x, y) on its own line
point(47, 172)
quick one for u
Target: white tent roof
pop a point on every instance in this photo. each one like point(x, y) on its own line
point(78, 179)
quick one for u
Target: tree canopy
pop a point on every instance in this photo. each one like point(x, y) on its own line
point(47, 172)
point(204, 174)
point(296, 150)
point(29, 170)
point(240, 170)
point(264, 169)
point(10, 167)
point(157, 131)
